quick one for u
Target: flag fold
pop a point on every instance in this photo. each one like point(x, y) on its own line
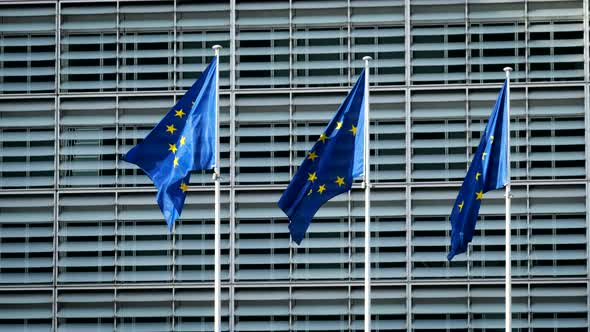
point(183, 141)
point(329, 168)
point(488, 171)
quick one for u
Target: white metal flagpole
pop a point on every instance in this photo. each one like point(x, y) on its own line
point(367, 186)
point(217, 277)
point(508, 197)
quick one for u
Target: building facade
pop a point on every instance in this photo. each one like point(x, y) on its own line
point(84, 247)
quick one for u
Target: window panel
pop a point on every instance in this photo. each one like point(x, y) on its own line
point(262, 47)
point(144, 245)
point(323, 309)
point(320, 57)
point(86, 238)
point(388, 308)
point(88, 57)
point(27, 150)
point(26, 239)
point(558, 241)
point(557, 141)
point(27, 48)
point(85, 310)
point(194, 240)
point(493, 46)
point(193, 310)
point(262, 309)
point(262, 139)
point(386, 46)
point(388, 137)
point(388, 234)
point(87, 142)
point(25, 310)
point(138, 310)
point(438, 135)
point(438, 54)
point(376, 11)
point(556, 51)
point(563, 307)
point(436, 308)
point(200, 25)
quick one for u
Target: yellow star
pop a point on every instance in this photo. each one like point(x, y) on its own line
point(309, 192)
point(322, 188)
point(182, 139)
point(175, 161)
point(170, 129)
point(179, 113)
point(353, 130)
point(461, 206)
point(492, 139)
point(312, 155)
point(339, 181)
point(172, 147)
point(183, 187)
point(479, 195)
point(477, 176)
point(483, 155)
point(311, 177)
point(338, 125)
point(323, 138)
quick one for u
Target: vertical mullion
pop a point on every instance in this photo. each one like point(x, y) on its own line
point(118, 48)
point(232, 166)
point(526, 42)
point(349, 40)
point(175, 51)
point(467, 78)
point(56, 165)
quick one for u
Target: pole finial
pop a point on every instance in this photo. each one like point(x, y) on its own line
point(367, 58)
point(216, 48)
point(507, 69)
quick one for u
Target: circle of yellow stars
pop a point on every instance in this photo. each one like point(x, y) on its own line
point(312, 155)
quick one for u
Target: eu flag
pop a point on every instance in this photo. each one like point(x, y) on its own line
point(330, 166)
point(488, 171)
point(183, 141)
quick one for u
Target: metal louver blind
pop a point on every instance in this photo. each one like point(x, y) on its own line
point(438, 135)
point(86, 310)
point(200, 25)
point(87, 142)
point(26, 239)
point(86, 238)
point(377, 30)
point(262, 309)
point(262, 138)
point(27, 311)
point(194, 243)
point(261, 233)
point(27, 49)
point(88, 58)
point(262, 56)
point(27, 142)
point(388, 229)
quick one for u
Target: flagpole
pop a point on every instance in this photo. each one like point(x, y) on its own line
point(367, 186)
point(508, 197)
point(216, 178)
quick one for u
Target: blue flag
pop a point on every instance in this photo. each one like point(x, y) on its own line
point(183, 141)
point(330, 166)
point(488, 171)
